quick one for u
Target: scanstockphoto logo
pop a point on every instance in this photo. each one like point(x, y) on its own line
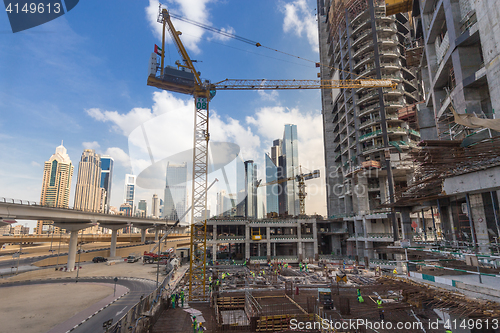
point(26, 14)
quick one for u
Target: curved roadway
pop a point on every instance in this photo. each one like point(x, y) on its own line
point(115, 311)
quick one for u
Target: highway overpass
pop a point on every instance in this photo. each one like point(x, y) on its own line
point(75, 220)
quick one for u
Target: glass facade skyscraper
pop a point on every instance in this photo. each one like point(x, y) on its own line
point(175, 191)
point(129, 190)
point(106, 179)
point(250, 189)
point(272, 191)
point(88, 193)
point(291, 159)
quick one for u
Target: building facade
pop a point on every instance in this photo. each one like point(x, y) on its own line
point(129, 190)
point(366, 141)
point(107, 163)
point(175, 191)
point(142, 208)
point(155, 206)
point(56, 185)
point(88, 193)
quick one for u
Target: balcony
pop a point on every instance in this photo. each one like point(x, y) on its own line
point(372, 148)
point(229, 237)
point(369, 122)
point(370, 135)
point(283, 237)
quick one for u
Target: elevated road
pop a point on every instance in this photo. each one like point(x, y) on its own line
point(74, 220)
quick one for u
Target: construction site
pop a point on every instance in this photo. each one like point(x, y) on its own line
point(324, 297)
point(411, 240)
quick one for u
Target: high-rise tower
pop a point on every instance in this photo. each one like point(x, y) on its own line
point(56, 186)
point(291, 167)
point(155, 206)
point(129, 190)
point(106, 179)
point(88, 193)
point(175, 191)
point(364, 137)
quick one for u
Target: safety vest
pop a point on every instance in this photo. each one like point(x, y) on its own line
point(448, 331)
point(360, 299)
point(210, 279)
point(395, 271)
point(379, 303)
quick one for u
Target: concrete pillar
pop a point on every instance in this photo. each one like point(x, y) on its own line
point(299, 240)
point(214, 252)
point(406, 224)
point(268, 242)
point(247, 241)
point(369, 250)
point(114, 237)
point(479, 218)
point(452, 224)
point(315, 238)
point(73, 244)
point(156, 235)
point(143, 235)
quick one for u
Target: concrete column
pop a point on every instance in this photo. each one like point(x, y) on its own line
point(299, 240)
point(214, 252)
point(315, 238)
point(479, 218)
point(73, 243)
point(369, 249)
point(452, 224)
point(247, 241)
point(114, 237)
point(143, 235)
point(406, 224)
point(157, 231)
point(268, 241)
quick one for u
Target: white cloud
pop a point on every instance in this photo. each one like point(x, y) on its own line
point(119, 156)
point(35, 164)
point(195, 10)
point(299, 18)
point(221, 37)
point(272, 95)
point(91, 145)
point(122, 122)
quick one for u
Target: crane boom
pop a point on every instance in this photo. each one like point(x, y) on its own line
point(264, 84)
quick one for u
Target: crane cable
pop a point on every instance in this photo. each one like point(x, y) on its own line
point(254, 43)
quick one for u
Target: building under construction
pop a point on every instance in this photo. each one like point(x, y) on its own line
point(420, 162)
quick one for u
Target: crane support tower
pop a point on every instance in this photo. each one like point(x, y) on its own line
point(186, 80)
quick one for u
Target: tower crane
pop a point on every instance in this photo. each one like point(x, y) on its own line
point(300, 178)
point(185, 79)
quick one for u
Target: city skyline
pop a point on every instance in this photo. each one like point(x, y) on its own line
point(107, 104)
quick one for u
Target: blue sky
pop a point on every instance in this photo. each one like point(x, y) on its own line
point(82, 77)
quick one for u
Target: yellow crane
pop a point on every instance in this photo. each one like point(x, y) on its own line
point(300, 178)
point(185, 79)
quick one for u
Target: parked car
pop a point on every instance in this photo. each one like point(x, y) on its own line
point(132, 259)
point(99, 259)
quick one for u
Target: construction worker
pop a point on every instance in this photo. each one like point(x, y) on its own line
point(200, 328)
point(395, 271)
point(360, 299)
point(377, 270)
point(195, 324)
point(380, 309)
point(173, 301)
point(300, 266)
point(307, 267)
point(223, 276)
point(182, 298)
point(210, 279)
point(177, 300)
point(358, 291)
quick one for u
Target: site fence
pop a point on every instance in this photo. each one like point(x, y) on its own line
point(146, 312)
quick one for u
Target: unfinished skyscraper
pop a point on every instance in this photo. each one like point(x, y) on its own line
point(365, 139)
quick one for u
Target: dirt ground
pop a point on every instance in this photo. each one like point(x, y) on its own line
point(24, 309)
point(120, 268)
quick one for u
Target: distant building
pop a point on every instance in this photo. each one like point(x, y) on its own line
point(155, 206)
point(250, 189)
point(129, 189)
point(226, 204)
point(282, 198)
point(175, 191)
point(56, 185)
point(142, 208)
point(106, 179)
point(126, 209)
point(88, 193)
point(20, 230)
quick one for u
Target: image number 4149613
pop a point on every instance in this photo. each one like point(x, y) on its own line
point(26, 14)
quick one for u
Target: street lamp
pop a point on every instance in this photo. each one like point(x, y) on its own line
point(79, 255)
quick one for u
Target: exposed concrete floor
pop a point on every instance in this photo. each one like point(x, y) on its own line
point(38, 308)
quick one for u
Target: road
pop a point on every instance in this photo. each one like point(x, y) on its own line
point(115, 311)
